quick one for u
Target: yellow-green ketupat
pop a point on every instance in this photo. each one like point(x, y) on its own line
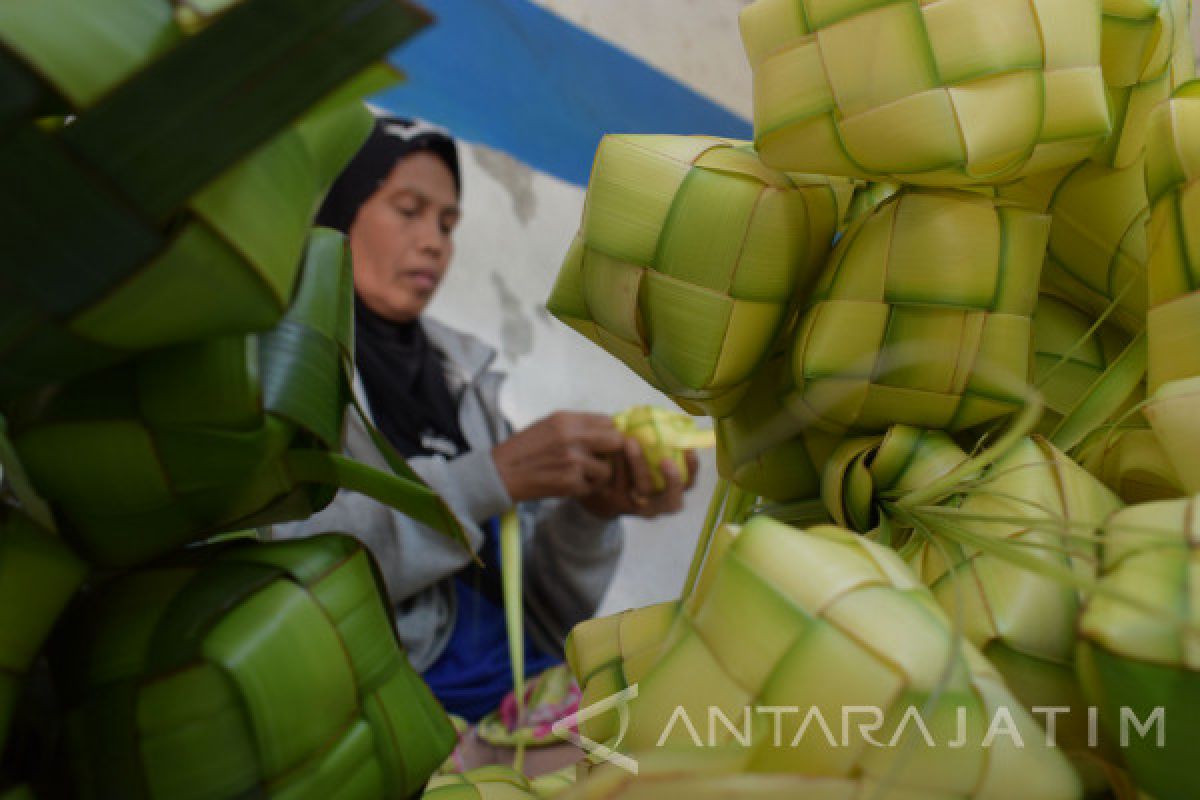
point(1001, 550)
point(1173, 321)
point(663, 435)
point(821, 621)
point(690, 258)
point(948, 93)
point(1139, 656)
point(922, 316)
point(1146, 53)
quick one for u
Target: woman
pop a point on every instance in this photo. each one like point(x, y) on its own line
point(433, 394)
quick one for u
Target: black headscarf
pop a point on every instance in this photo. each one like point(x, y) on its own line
point(400, 370)
point(391, 139)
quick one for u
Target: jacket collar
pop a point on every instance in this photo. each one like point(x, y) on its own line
point(468, 355)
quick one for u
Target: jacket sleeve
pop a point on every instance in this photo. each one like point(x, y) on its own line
point(411, 556)
point(569, 561)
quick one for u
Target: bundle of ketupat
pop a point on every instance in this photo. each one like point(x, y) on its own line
point(921, 317)
point(689, 260)
point(218, 435)
point(995, 137)
point(1139, 654)
point(953, 93)
point(149, 199)
point(245, 667)
point(821, 621)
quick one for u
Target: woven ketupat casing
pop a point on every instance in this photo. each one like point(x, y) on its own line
point(246, 668)
point(1173, 319)
point(712, 775)
point(1139, 660)
point(212, 436)
point(492, 782)
point(823, 621)
point(38, 575)
point(690, 256)
point(609, 654)
point(182, 442)
point(1069, 360)
point(922, 316)
point(1173, 182)
point(1023, 621)
point(1131, 461)
point(1146, 52)
point(1097, 252)
point(151, 189)
point(663, 435)
point(763, 449)
point(945, 93)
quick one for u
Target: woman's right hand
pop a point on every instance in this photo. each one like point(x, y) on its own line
point(562, 455)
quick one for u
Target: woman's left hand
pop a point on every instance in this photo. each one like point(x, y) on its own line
point(631, 489)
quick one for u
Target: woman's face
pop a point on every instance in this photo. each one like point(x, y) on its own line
point(402, 238)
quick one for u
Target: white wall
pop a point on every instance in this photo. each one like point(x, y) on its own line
point(516, 226)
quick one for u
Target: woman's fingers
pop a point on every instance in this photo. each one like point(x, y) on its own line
point(641, 479)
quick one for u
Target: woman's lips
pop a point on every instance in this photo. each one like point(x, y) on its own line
point(422, 279)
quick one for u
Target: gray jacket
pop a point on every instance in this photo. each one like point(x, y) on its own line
point(569, 554)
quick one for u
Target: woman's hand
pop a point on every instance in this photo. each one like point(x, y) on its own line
point(584, 456)
point(563, 455)
point(631, 490)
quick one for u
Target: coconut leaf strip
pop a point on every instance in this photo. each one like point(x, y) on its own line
point(66, 242)
point(1105, 396)
point(180, 632)
point(511, 567)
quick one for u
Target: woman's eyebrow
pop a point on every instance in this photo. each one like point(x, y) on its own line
point(424, 198)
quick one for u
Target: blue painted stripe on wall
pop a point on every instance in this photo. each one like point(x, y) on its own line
point(513, 76)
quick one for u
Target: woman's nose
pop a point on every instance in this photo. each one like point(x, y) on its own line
point(431, 237)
